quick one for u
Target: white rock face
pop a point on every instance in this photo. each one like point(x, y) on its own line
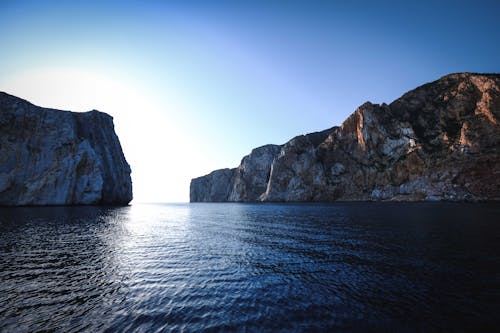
point(52, 157)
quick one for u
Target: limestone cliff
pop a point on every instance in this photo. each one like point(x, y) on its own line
point(53, 157)
point(440, 141)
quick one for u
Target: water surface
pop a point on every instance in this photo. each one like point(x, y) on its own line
point(246, 267)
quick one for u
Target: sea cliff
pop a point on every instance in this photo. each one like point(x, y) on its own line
point(53, 157)
point(440, 141)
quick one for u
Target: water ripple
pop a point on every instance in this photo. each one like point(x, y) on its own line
point(243, 267)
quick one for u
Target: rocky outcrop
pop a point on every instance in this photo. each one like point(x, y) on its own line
point(53, 157)
point(215, 186)
point(245, 183)
point(440, 141)
point(251, 177)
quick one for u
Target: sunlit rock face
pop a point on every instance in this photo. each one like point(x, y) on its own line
point(440, 141)
point(53, 157)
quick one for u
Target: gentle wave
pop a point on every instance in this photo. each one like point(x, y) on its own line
point(249, 267)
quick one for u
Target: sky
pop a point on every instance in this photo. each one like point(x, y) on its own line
point(193, 86)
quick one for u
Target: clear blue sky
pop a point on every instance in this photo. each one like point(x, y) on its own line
point(195, 85)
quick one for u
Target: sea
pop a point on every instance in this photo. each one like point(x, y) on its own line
point(236, 267)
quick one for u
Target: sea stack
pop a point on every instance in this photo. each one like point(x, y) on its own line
point(54, 157)
point(440, 141)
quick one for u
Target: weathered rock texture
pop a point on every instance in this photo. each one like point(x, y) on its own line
point(53, 157)
point(440, 141)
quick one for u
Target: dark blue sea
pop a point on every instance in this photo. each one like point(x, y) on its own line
point(347, 267)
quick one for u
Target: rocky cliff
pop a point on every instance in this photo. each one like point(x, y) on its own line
point(53, 157)
point(440, 141)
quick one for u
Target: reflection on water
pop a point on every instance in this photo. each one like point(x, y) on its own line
point(232, 267)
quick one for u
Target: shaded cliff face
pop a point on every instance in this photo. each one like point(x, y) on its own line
point(53, 157)
point(215, 186)
point(244, 183)
point(440, 141)
point(251, 177)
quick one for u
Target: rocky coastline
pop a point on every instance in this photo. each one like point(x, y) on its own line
point(440, 141)
point(54, 157)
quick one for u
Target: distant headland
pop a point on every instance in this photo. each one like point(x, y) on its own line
point(53, 157)
point(440, 141)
